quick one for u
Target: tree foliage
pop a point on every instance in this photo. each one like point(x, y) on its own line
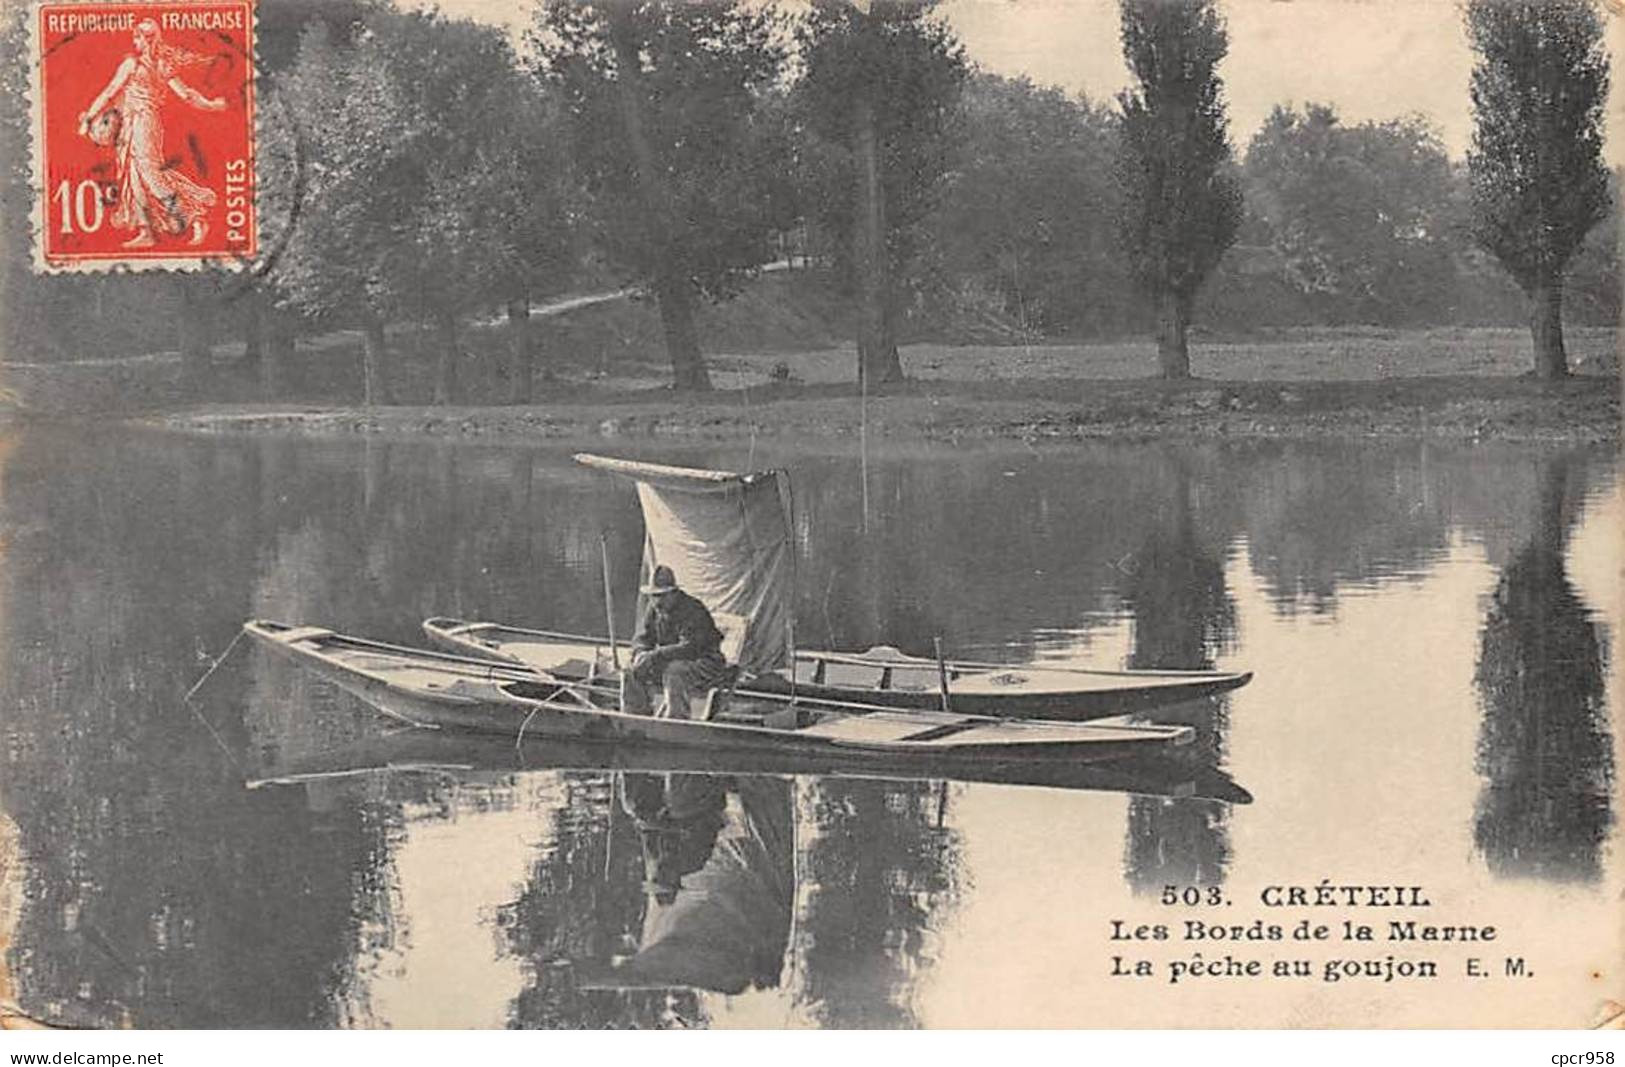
point(1538, 183)
point(1028, 210)
point(1361, 216)
point(683, 175)
point(1181, 202)
point(415, 175)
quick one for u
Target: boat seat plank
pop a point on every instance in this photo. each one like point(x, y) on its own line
point(915, 679)
point(853, 675)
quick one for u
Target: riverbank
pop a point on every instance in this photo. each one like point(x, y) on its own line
point(1349, 382)
point(1582, 409)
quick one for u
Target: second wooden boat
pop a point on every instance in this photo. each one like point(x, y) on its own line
point(882, 676)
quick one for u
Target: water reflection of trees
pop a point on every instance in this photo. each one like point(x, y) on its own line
point(980, 553)
point(1544, 749)
point(879, 873)
point(1183, 619)
point(158, 892)
point(1320, 517)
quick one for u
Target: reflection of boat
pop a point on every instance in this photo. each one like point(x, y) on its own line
point(434, 689)
point(1147, 774)
point(879, 676)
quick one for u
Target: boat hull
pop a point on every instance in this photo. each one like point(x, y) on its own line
point(890, 679)
point(463, 694)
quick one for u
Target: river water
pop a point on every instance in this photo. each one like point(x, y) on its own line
point(1432, 627)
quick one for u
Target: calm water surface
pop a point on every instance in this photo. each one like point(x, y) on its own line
point(1430, 626)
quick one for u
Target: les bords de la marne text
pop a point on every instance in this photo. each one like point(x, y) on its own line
point(1314, 927)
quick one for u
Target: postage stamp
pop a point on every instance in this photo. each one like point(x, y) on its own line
point(143, 135)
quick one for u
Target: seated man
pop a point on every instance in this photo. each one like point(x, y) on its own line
point(678, 649)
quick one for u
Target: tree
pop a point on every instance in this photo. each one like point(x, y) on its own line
point(472, 227)
point(1360, 216)
point(405, 205)
point(268, 327)
point(663, 99)
point(1027, 211)
point(1182, 204)
point(535, 200)
point(881, 91)
point(1538, 183)
point(337, 161)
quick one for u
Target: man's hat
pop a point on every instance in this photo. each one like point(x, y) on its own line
point(661, 581)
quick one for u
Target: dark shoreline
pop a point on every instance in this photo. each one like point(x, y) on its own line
point(1579, 410)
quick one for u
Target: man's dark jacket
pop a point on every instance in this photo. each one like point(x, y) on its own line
point(683, 630)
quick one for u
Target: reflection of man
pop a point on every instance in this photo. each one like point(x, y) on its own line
point(677, 649)
point(678, 818)
point(720, 879)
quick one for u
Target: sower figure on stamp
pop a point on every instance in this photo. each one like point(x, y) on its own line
point(153, 194)
point(677, 649)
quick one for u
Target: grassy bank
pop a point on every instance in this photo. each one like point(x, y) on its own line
point(1455, 383)
point(1462, 408)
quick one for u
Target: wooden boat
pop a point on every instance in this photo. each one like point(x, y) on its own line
point(883, 676)
point(456, 692)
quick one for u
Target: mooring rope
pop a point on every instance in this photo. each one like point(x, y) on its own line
point(519, 742)
point(186, 701)
point(212, 667)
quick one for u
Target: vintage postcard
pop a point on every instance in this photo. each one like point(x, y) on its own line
point(1059, 515)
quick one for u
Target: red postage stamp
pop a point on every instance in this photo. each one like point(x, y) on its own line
point(144, 134)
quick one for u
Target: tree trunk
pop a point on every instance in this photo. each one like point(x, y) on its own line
point(445, 379)
point(878, 361)
point(520, 373)
point(277, 354)
point(1173, 357)
point(194, 335)
point(373, 354)
point(671, 281)
point(1546, 325)
point(677, 322)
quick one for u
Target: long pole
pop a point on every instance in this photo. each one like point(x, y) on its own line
point(942, 674)
point(609, 601)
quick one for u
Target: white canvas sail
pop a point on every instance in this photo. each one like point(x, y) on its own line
point(727, 539)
